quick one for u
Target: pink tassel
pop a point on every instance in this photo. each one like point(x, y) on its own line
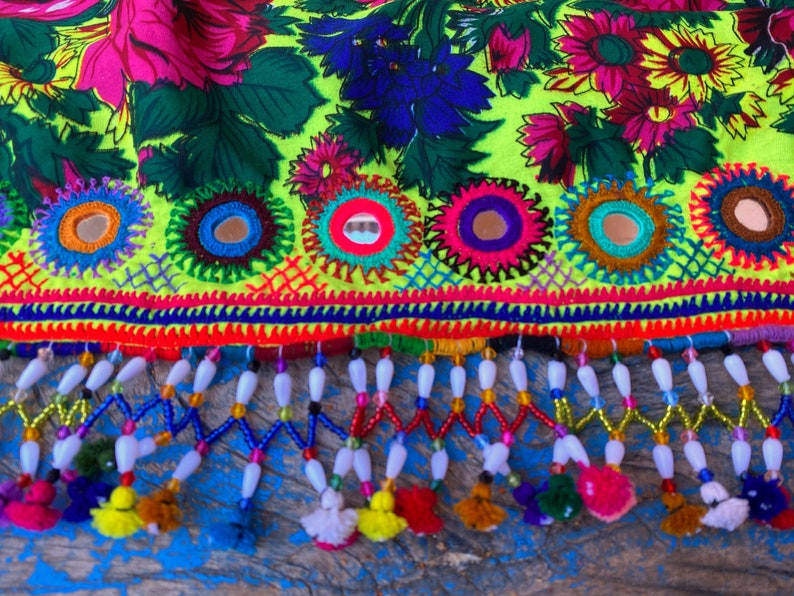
point(606, 493)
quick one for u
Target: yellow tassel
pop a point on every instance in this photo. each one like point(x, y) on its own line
point(683, 519)
point(477, 512)
point(379, 522)
point(160, 512)
point(116, 517)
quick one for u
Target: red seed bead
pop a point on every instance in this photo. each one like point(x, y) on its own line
point(385, 352)
point(772, 432)
point(150, 355)
point(556, 468)
point(668, 485)
point(764, 345)
point(654, 352)
point(127, 478)
point(310, 453)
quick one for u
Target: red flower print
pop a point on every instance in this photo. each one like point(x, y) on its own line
point(673, 5)
point(325, 168)
point(182, 41)
point(506, 53)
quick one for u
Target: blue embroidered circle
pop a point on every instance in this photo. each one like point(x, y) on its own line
point(222, 213)
point(644, 223)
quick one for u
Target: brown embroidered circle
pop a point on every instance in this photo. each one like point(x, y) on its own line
point(744, 209)
point(89, 226)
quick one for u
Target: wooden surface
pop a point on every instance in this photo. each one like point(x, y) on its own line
point(584, 556)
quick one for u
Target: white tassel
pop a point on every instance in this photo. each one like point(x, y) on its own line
point(330, 523)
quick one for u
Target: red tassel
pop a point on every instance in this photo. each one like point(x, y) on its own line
point(783, 520)
point(416, 506)
point(35, 513)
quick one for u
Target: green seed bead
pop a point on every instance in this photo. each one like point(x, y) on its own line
point(59, 399)
point(285, 414)
point(336, 482)
point(437, 485)
point(514, 480)
point(438, 444)
point(614, 358)
point(785, 388)
point(116, 387)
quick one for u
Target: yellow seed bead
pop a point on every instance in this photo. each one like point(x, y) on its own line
point(427, 358)
point(614, 467)
point(489, 353)
point(196, 400)
point(285, 414)
point(238, 411)
point(388, 485)
point(459, 360)
point(488, 396)
point(31, 433)
point(457, 405)
point(86, 359)
point(661, 438)
point(617, 435)
point(162, 438)
point(745, 393)
point(167, 391)
point(173, 485)
point(523, 398)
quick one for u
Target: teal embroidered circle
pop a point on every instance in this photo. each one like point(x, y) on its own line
point(631, 213)
point(342, 253)
point(13, 215)
point(225, 232)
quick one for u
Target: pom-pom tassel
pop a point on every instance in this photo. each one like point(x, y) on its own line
point(478, 512)
point(85, 495)
point(117, 517)
point(35, 511)
point(683, 519)
point(10, 492)
point(416, 506)
point(725, 512)
point(239, 534)
point(379, 522)
point(96, 458)
point(767, 498)
point(160, 512)
point(526, 496)
point(607, 493)
point(331, 526)
point(560, 500)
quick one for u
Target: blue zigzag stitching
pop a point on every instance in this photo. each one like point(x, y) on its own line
point(161, 275)
point(416, 278)
point(700, 261)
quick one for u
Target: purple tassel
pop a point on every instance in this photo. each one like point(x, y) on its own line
point(85, 495)
point(9, 492)
point(525, 494)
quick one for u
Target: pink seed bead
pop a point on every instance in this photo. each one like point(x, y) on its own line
point(64, 432)
point(508, 438)
point(257, 456)
point(629, 402)
point(362, 399)
point(381, 397)
point(69, 475)
point(202, 448)
point(688, 435)
point(582, 359)
point(128, 427)
point(367, 489)
point(213, 354)
point(689, 355)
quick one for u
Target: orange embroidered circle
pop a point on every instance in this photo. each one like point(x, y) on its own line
point(89, 226)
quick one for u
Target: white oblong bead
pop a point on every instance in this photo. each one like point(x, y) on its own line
point(587, 377)
point(439, 463)
point(126, 448)
point(622, 378)
point(560, 453)
point(132, 369)
point(357, 369)
point(178, 373)
point(187, 465)
point(776, 365)
point(487, 373)
point(67, 450)
point(735, 367)
point(773, 454)
point(251, 474)
point(205, 372)
point(362, 464)
point(614, 452)
point(496, 455)
point(425, 379)
point(282, 387)
point(741, 454)
point(20, 395)
point(663, 373)
point(576, 450)
point(504, 469)
point(35, 369)
point(558, 374)
point(316, 383)
point(316, 475)
point(100, 375)
point(693, 450)
point(384, 374)
point(518, 371)
point(396, 459)
point(343, 462)
point(663, 458)
point(73, 376)
point(697, 372)
point(146, 446)
point(457, 381)
point(29, 453)
point(246, 386)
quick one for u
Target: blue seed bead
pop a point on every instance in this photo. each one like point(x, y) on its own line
point(670, 398)
point(481, 441)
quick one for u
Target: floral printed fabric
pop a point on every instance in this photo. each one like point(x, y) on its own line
point(198, 171)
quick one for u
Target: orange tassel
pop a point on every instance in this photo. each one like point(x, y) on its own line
point(478, 512)
point(683, 519)
point(160, 512)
